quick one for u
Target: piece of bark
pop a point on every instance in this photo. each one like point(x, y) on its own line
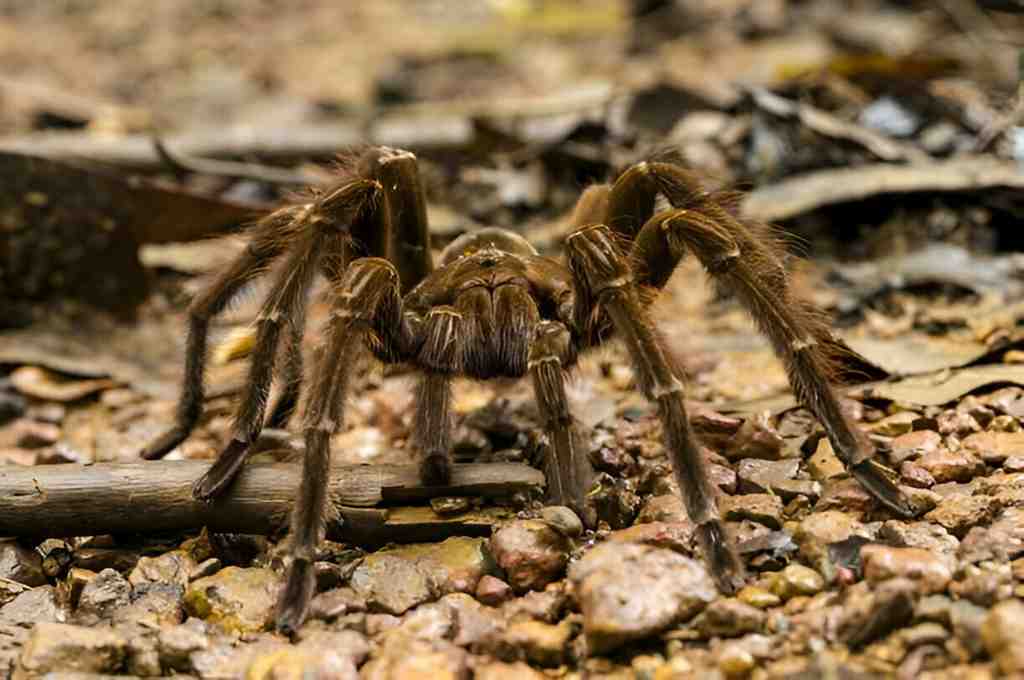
point(115, 498)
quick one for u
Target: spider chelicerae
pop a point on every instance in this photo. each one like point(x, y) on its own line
point(493, 307)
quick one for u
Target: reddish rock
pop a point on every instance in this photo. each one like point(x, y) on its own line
point(948, 466)
point(928, 569)
point(914, 475)
point(672, 535)
point(756, 438)
point(958, 514)
point(762, 508)
point(664, 508)
point(994, 447)
point(629, 592)
point(914, 444)
point(820, 529)
point(493, 591)
point(845, 494)
point(531, 553)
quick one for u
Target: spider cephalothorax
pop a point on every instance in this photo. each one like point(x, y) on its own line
point(493, 307)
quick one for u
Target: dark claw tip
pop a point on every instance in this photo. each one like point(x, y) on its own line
point(877, 482)
point(720, 555)
point(222, 473)
point(149, 454)
point(299, 588)
point(162, 445)
point(201, 490)
point(436, 471)
point(285, 624)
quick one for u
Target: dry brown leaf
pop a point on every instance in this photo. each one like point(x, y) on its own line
point(40, 383)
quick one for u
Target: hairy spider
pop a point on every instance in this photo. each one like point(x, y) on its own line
point(493, 307)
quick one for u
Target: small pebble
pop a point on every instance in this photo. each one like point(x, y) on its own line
point(450, 505)
point(493, 591)
point(758, 597)
point(563, 519)
point(797, 579)
point(735, 661)
point(927, 568)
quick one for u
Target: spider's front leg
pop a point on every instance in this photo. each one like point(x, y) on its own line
point(603, 275)
point(366, 310)
point(744, 257)
point(440, 347)
point(569, 473)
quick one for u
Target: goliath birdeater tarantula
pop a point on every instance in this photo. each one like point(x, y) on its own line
point(493, 307)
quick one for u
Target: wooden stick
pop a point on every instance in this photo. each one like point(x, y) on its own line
point(113, 498)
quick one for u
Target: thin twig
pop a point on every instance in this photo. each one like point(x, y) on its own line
point(181, 164)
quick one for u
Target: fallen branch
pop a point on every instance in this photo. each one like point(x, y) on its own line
point(113, 498)
point(256, 172)
point(804, 193)
point(824, 123)
point(282, 143)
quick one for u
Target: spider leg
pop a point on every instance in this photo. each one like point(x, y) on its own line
point(744, 257)
point(291, 374)
point(591, 207)
point(328, 218)
point(366, 300)
point(403, 239)
point(603, 272)
point(569, 471)
point(272, 235)
point(288, 301)
point(407, 243)
point(633, 196)
point(397, 232)
point(432, 425)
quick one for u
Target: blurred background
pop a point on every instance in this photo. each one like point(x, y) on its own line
point(521, 102)
point(883, 137)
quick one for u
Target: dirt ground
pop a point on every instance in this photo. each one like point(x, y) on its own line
point(883, 141)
